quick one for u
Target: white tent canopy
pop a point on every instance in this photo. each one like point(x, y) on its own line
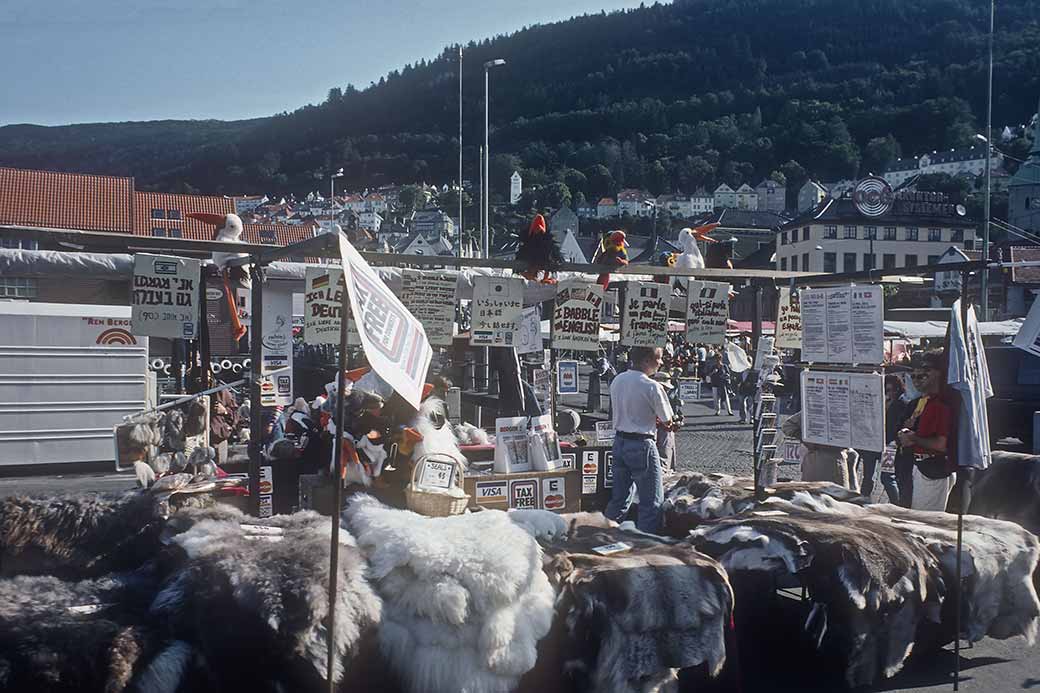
point(936, 329)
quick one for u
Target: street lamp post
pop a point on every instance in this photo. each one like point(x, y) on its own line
point(458, 234)
point(332, 184)
point(984, 274)
point(485, 233)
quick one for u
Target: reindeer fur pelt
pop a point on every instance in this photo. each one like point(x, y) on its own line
point(75, 636)
point(253, 598)
point(871, 582)
point(465, 597)
point(634, 618)
point(435, 440)
point(1009, 490)
point(694, 498)
point(77, 536)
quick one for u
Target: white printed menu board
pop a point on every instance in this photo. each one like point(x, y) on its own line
point(828, 403)
point(707, 311)
point(645, 316)
point(497, 306)
point(430, 297)
point(843, 324)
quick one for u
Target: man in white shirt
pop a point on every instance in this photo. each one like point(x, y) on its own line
point(639, 402)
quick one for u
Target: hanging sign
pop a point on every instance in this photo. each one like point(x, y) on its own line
point(497, 305)
point(576, 316)
point(276, 385)
point(949, 282)
point(322, 301)
point(645, 315)
point(393, 340)
point(529, 331)
point(788, 320)
point(707, 311)
point(828, 400)
point(566, 377)
point(165, 296)
point(843, 324)
point(430, 297)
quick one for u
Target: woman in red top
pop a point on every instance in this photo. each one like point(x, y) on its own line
point(927, 433)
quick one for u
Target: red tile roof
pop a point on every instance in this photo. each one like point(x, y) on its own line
point(1025, 275)
point(277, 234)
point(170, 204)
point(65, 200)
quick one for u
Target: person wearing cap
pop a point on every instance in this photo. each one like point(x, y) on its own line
point(926, 433)
point(639, 402)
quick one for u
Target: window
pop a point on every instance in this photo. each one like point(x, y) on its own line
point(933, 259)
point(935, 234)
point(957, 236)
point(783, 238)
point(848, 262)
point(175, 232)
point(868, 261)
point(851, 232)
point(173, 214)
point(969, 244)
point(15, 244)
point(871, 233)
point(888, 261)
point(268, 236)
point(805, 233)
point(911, 233)
point(911, 261)
point(805, 262)
point(794, 263)
point(159, 231)
point(830, 231)
point(890, 233)
point(158, 214)
point(783, 264)
point(17, 287)
point(830, 262)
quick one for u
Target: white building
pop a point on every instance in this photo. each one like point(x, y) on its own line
point(370, 220)
point(971, 160)
point(516, 187)
point(724, 196)
point(746, 198)
point(634, 203)
point(772, 197)
point(606, 208)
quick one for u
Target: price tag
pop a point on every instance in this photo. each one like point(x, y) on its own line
point(436, 474)
point(604, 431)
point(608, 549)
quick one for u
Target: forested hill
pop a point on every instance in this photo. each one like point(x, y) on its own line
point(668, 97)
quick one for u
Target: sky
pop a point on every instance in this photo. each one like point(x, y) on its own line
point(80, 61)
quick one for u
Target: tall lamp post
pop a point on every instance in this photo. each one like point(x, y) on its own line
point(984, 274)
point(485, 233)
point(458, 234)
point(332, 184)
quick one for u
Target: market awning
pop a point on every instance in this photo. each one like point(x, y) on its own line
point(936, 329)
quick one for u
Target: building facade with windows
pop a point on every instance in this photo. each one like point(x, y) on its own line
point(836, 237)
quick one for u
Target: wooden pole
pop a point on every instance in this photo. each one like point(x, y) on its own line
point(337, 486)
point(960, 512)
point(256, 359)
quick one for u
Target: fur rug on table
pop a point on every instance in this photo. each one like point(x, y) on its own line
point(695, 498)
point(465, 598)
point(634, 618)
point(1009, 490)
point(251, 596)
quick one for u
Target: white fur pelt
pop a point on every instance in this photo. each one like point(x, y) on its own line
point(634, 618)
point(543, 525)
point(252, 596)
point(465, 597)
point(468, 434)
point(435, 440)
point(871, 582)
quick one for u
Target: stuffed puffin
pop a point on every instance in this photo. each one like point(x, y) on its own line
point(540, 251)
point(611, 251)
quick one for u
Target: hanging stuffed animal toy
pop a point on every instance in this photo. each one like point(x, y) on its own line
point(228, 229)
point(690, 257)
point(540, 251)
point(611, 251)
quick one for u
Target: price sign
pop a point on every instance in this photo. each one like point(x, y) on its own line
point(436, 474)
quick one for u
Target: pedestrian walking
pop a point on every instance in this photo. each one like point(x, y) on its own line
point(717, 374)
point(746, 388)
point(639, 402)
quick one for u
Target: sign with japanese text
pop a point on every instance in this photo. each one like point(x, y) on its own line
point(788, 320)
point(645, 315)
point(497, 305)
point(707, 310)
point(393, 340)
point(430, 297)
point(165, 296)
point(576, 316)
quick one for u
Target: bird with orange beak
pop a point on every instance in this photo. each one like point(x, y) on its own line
point(612, 250)
point(540, 251)
point(691, 257)
point(228, 229)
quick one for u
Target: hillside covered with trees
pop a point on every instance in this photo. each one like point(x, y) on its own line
point(666, 97)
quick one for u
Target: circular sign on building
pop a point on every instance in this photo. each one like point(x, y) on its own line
point(873, 196)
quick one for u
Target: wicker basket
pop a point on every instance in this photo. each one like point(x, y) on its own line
point(435, 504)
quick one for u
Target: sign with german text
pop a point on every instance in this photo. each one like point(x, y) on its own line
point(393, 340)
point(497, 305)
point(322, 302)
point(645, 316)
point(576, 316)
point(430, 297)
point(707, 311)
point(165, 296)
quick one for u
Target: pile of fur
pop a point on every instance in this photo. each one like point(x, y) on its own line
point(877, 573)
point(695, 498)
point(250, 596)
point(1009, 490)
point(465, 597)
point(632, 619)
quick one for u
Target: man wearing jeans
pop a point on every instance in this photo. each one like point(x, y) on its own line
point(639, 402)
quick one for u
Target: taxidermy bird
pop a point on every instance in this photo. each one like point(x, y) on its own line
point(540, 251)
point(690, 257)
point(228, 229)
point(611, 251)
